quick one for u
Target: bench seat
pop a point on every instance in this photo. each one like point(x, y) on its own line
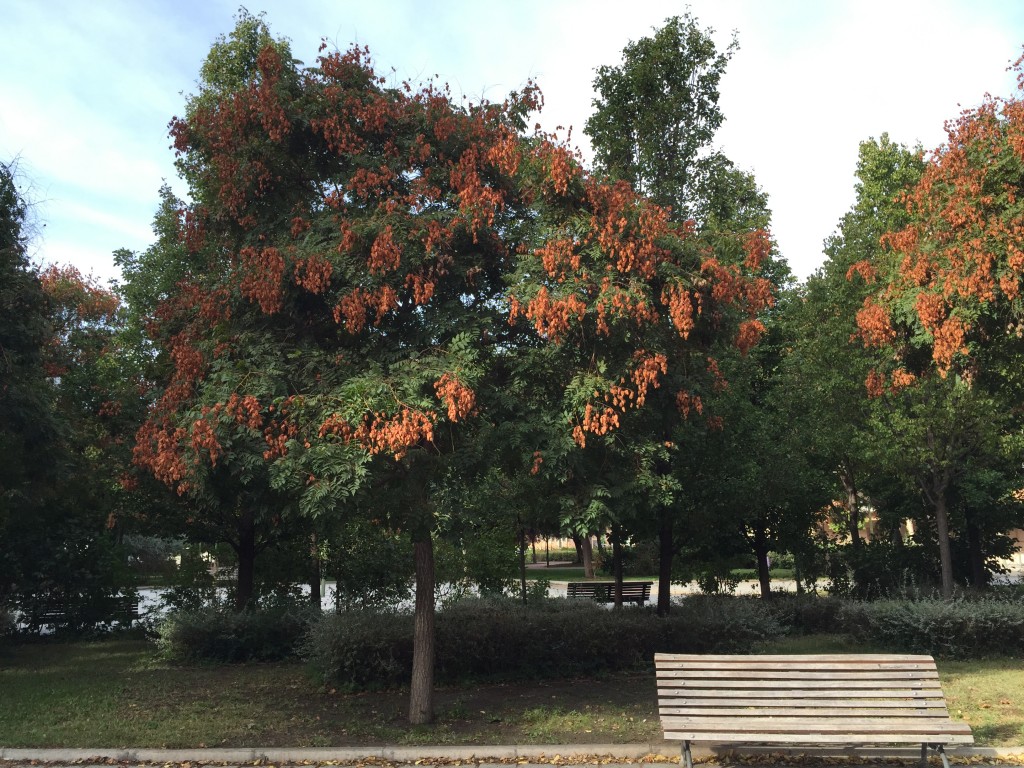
point(822, 699)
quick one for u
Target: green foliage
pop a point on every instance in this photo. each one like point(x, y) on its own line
point(7, 622)
point(536, 590)
point(480, 560)
point(371, 566)
point(957, 629)
point(29, 431)
point(151, 558)
point(658, 110)
point(63, 566)
point(883, 569)
point(805, 614)
point(638, 559)
point(502, 639)
point(224, 635)
point(361, 650)
point(193, 588)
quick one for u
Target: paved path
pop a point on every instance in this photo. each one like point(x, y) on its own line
point(548, 754)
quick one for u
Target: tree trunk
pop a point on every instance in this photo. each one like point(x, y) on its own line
point(314, 573)
point(617, 565)
point(761, 551)
point(975, 554)
point(852, 504)
point(577, 542)
point(945, 553)
point(522, 562)
point(245, 585)
point(587, 553)
point(666, 551)
point(421, 688)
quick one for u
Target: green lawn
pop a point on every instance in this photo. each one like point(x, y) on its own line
point(116, 693)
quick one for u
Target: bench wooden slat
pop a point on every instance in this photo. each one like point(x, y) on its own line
point(816, 724)
point(789, 660)
point(801, 693)
point(816, 684)
point(805, 704)
point(834, 675)
point(846, 739)
point(938, 712)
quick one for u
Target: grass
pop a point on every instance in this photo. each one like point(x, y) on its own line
point(987, 693)
point(117, 693)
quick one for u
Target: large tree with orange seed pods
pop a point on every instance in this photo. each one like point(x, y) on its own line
point(948, 306)
point(340, 314)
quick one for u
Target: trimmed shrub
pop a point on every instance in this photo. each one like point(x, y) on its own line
point(361, 650)
point(503, 639)
point(219, 634)
point(960, 629)
point(806, 614)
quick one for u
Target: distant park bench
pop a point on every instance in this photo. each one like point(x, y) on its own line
point(829, 699)
point(126, 612)
point(604, 591)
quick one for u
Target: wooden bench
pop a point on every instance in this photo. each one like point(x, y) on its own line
point(829, 699)
point(126, 611)
point(604, 591)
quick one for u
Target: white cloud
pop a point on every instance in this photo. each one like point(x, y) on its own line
point(94, 86)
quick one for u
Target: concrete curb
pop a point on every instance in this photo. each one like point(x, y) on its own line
point(604, 754)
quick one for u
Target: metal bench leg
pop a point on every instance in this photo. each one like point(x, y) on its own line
point(940, 748)
point(687, 757)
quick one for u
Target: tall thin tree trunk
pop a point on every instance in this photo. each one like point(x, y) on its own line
point(245, 585)
point(975, 553)
point(421, 688)
point(314, 572)
point(666, 551)
point(617, 564)
point(522, 562)
point(849, 482)
point(945, 552)
point(761, 551)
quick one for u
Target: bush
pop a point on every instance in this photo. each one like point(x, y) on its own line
point(638, 559)
point(960, 629)
point(219, 634)
point(883, 569)
point(371, 567)
point(504, 639)
point(806, 614)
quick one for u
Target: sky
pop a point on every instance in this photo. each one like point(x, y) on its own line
point(87, 89)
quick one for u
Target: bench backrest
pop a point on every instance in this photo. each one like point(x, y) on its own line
point(605, 591)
